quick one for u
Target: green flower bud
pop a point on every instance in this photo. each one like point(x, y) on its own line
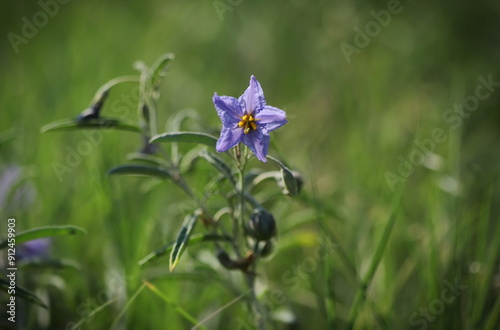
point(285, 186)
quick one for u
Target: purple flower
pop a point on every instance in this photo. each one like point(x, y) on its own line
point(248, 120)
point(37, 248)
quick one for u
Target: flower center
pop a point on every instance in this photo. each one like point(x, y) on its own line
point(248, 123)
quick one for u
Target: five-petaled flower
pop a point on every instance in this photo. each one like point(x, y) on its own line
point(247, 119)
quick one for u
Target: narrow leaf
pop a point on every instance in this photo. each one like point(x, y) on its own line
point(43, 232)
point(289, 180)
point(94, 123)
point(182, 239)
point(49, 263)
point(141, 170)
point(219, 164)
point(139, 156)
point(193, 240)
point(22, 293)
point(159, 69)
point(188, 137)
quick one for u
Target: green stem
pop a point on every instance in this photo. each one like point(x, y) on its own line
point(241, 215)
point(114, 82)
point(254, 305)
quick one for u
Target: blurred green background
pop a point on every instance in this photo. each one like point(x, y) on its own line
point(351, 121)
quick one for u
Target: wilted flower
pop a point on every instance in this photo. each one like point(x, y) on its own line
point(248, 120)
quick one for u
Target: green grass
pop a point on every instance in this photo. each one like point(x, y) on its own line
point(348, 125)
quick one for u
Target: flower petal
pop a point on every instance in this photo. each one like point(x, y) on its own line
point(229, 137)
point(258, 142)
point(228, 108)
point(253, 98)
point(271, 118)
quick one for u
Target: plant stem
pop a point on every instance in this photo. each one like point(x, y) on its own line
point(254, 305)
point(116, 81)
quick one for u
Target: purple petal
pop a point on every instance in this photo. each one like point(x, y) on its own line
point(228, 108)
point(229, 137)
point(253, 97)
point(39, 247)
point(271, 118)
point(258, 142)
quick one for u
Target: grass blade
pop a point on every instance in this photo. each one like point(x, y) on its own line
point(129, 303)
point(43, 232)
point(22, 293)
point(181, 311)
point(379, 252)
point(85, 319)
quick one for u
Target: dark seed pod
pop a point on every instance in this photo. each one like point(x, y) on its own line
point(267, 249)
point(262, 226)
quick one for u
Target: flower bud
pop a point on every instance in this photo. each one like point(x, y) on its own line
point(262, 226)
point(285, 186)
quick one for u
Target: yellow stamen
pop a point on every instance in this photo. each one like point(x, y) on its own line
point(248, 122)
